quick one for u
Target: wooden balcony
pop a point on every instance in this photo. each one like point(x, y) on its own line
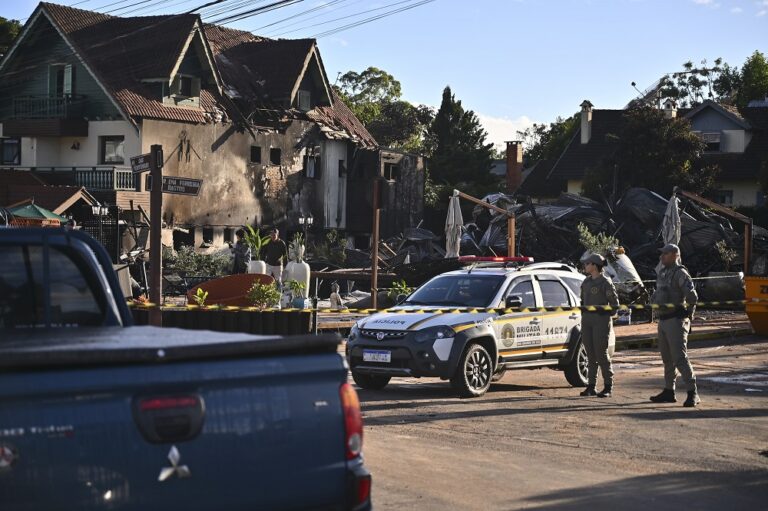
point(97, 178)
point(47, 116)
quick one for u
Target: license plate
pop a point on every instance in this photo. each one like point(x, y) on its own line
point(377, 356)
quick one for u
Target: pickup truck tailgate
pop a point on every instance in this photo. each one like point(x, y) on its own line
point(151, 419)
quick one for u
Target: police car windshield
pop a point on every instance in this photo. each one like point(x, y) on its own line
point(458, 290)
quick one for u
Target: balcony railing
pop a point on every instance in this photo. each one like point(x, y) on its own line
point(99, 178)
point(48, 107)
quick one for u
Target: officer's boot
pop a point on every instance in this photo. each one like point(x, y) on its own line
point(589, 391)
point(665, 396)
point(693, 398)
point(606, 392)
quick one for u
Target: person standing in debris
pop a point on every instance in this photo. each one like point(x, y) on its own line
point(596, 326)
point(274, 254)
point(242, 253)
point(675, 286)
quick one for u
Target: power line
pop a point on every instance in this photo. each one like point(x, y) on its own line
point(253, 12)
point(322, 14)
point(345, 17)
point(108, 5)
point(369, 20)
point(163, 5)
point(308, 11)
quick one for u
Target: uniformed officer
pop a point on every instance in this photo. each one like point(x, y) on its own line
point(596, 326)
point(674, 285)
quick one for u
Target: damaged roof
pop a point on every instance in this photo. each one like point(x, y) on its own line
point(259, 75)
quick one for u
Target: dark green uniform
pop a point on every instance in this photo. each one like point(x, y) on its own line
point(674, 285)
point(597, 327)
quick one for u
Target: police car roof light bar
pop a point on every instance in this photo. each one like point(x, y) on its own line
point(497, 259)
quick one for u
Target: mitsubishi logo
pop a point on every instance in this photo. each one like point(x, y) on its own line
point(181, 470)
point(380, 336)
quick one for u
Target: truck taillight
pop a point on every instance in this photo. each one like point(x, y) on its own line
point(353, 420)
point(164, 403)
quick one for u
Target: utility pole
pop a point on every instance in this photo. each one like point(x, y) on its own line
point(155, 234)
point(375, 248)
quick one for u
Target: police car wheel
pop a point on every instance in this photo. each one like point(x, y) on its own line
point(576, 371)
point(370, 381)
point(474, 373)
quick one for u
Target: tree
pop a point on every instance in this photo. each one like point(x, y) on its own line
point(456, 144)
point(9, 29)
point(402, 125)
point(653, 152)
point(694, 84)
point(366, 92)
point(542, 142)
point(754, 80)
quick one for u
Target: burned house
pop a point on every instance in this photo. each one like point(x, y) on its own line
point(255, 119)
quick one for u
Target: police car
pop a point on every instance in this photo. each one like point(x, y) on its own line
point(472, 347)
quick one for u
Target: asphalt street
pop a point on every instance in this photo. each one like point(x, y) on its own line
point(532, 443)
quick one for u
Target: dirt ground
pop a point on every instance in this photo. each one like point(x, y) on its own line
point(533, 443)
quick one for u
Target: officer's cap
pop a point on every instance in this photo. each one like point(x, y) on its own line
point(670, 247)
point(595, 259)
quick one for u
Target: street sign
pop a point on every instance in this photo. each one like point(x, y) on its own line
point(140, 163)
point(178, 185)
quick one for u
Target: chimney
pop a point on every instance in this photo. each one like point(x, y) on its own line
point(586, 121)
point(670, 109)
point(514, 165)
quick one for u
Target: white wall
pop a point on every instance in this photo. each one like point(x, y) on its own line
point(744, 192)
point(334, 189)
point(734, 141)
point(58, 152)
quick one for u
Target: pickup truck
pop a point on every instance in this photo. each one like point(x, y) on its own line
point(98, 414)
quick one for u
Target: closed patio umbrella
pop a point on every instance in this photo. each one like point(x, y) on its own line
point(453, 225)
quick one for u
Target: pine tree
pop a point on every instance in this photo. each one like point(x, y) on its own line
point(754, 79)
point(457, 145)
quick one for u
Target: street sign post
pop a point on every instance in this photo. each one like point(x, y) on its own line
point(178, 185)
point(141, 163)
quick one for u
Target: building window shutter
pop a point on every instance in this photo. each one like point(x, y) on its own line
point(68, 80)
point(195, 87)
point(305, 101)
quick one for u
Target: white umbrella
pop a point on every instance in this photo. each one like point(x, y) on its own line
point(453, 224)
point(670, 226)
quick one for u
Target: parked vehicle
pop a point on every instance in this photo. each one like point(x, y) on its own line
point(473, 348)
point(98, 414)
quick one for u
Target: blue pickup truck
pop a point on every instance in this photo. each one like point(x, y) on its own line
point(98, 414)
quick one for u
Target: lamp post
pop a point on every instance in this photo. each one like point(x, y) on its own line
point(100, 211)
point(306, 222)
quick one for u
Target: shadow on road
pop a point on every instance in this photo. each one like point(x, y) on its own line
point(671, 491)
point(437, 390)
point(700, 413)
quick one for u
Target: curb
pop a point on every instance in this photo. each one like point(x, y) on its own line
point(652, 341)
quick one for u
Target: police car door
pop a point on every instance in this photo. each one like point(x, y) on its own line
point(557, 325)
point(519, 334)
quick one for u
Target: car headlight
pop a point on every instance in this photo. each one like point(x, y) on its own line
point(433, 333)
point(354, 333)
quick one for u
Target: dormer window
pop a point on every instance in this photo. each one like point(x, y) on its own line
point(186, 86)
point(305, 100)
point(712, 141)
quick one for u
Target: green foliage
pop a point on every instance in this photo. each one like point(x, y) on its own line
point(600, 243)
point(332, 249)
point(652, 152)
point(693, 84)
point(297, 288)
point(754, 80)
point(399, 287)
point(367, 91)
point(186, 260)
point(200, 297)
point(727, 255)
point(296, 248)
point(264, 295)
point(456, 144)
point(542, 142)
point(9, 29)
point(254, 240)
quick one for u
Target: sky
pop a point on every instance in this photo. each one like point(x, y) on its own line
point(513, 62)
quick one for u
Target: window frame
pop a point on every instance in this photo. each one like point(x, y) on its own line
point(553, 278)
point(103, 149)
point(17, 159)
point(272, 152)
point(257, 150)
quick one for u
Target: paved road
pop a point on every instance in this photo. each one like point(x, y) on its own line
point(531, 443)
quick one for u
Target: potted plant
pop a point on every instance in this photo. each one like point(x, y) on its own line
point(257, 242)
point(298, 291)
point(264, 296)
point(297, 269)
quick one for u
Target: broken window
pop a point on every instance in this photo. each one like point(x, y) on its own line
point(275, 155)
point(342, 168)
point(228, 235)
point(255, 154)
point(312, 167)
point(391, 171)
point(712, 140)
point(207, 234)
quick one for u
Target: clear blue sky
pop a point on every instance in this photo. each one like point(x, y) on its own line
point(511, 61)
